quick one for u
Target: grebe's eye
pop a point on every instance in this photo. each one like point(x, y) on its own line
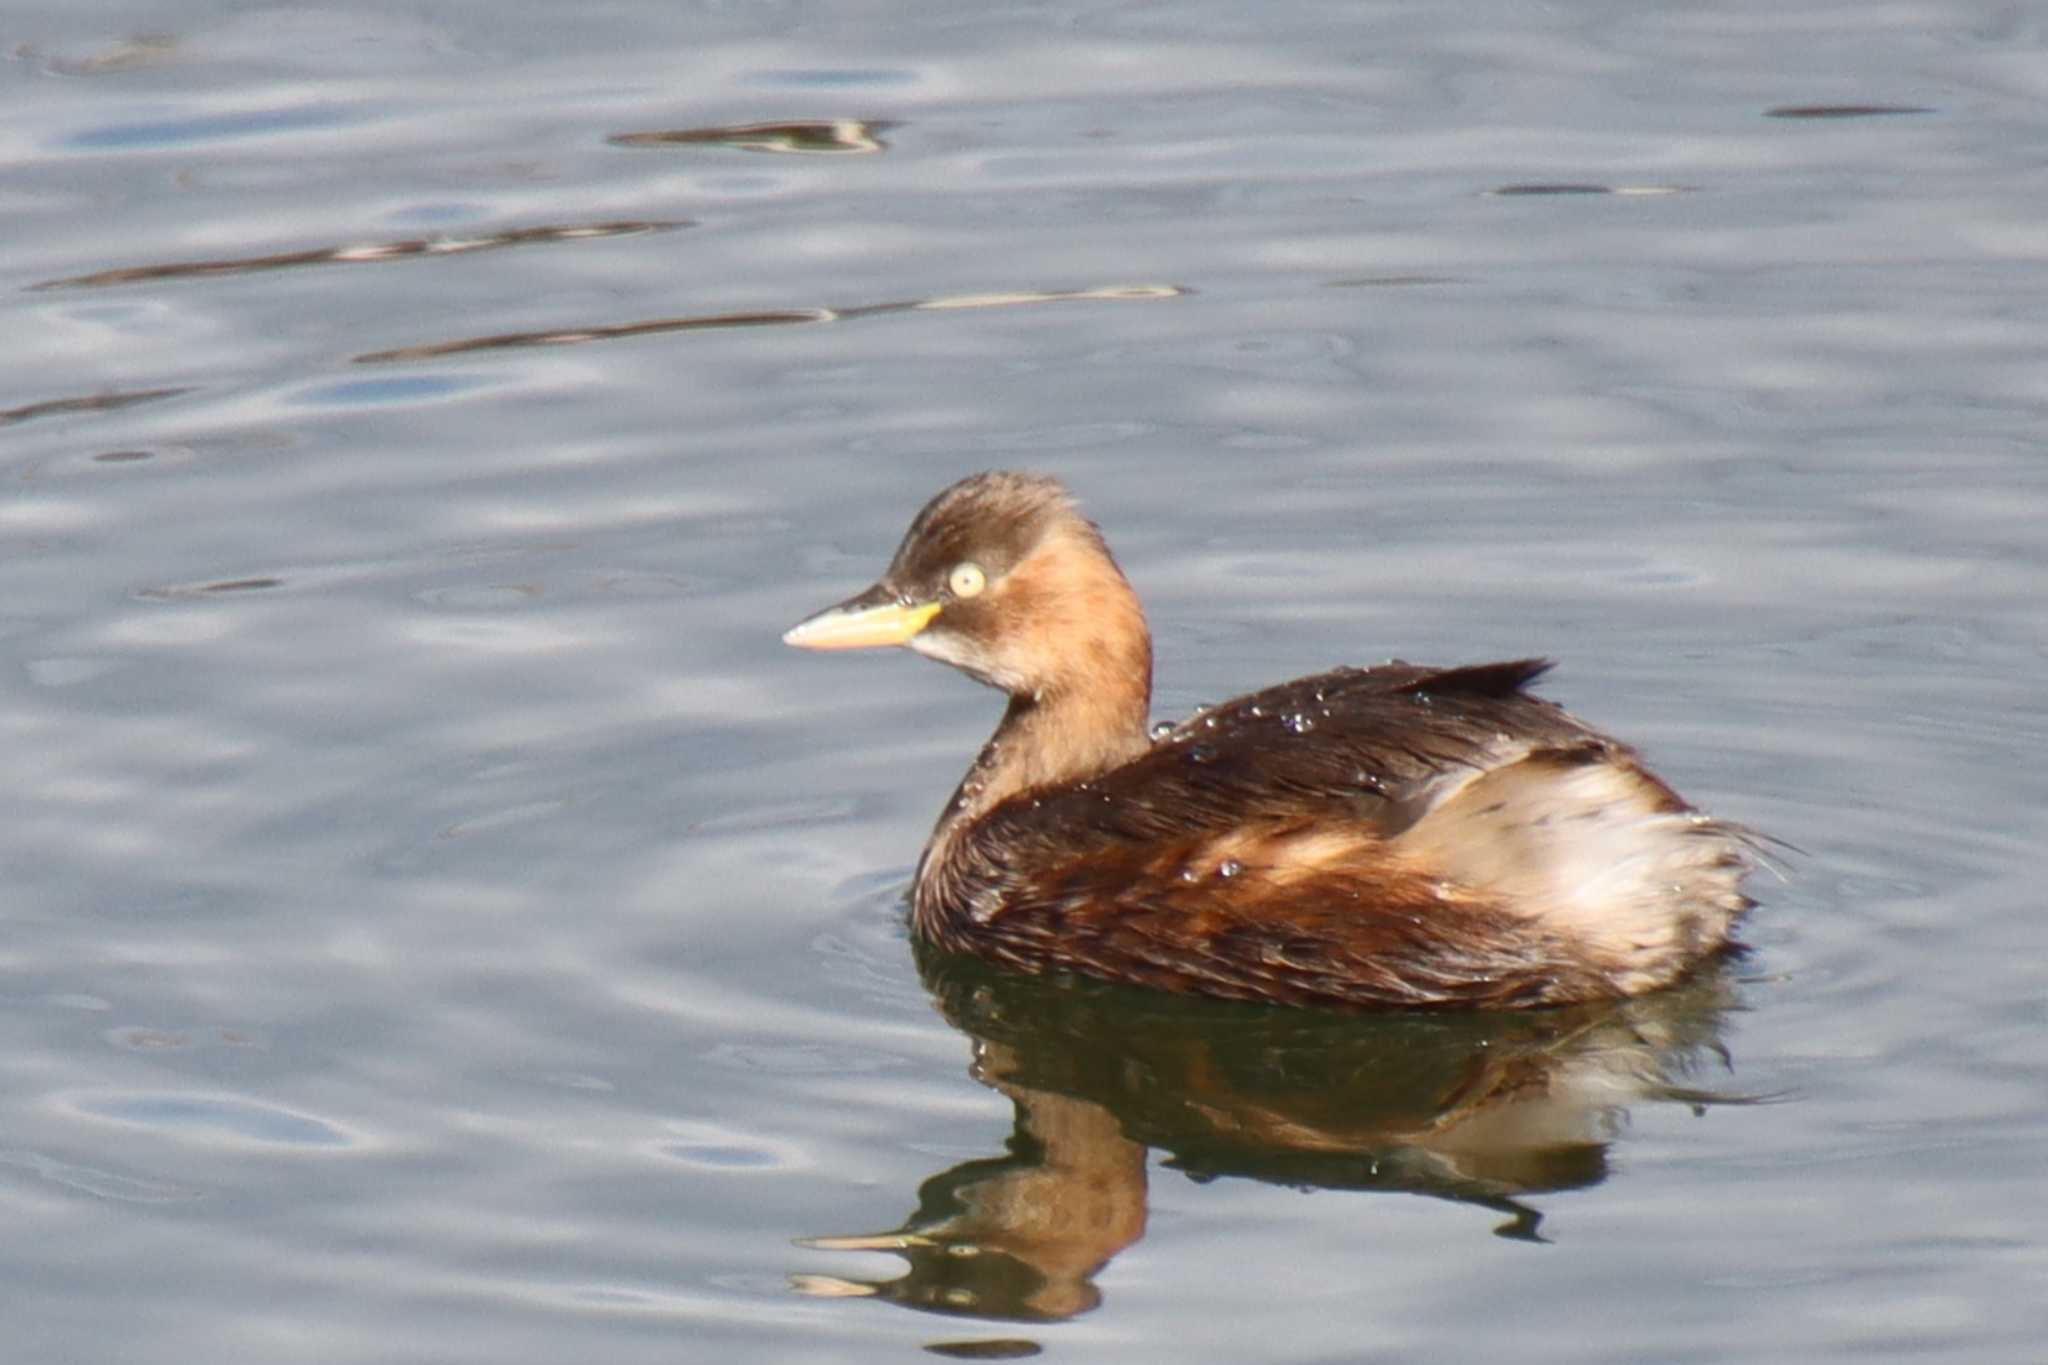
point(966, 580)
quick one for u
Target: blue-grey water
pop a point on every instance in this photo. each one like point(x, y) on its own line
point(442, 922)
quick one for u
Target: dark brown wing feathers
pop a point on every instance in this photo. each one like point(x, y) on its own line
point(1360, 744)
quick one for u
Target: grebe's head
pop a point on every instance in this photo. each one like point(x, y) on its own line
point(1003, 578)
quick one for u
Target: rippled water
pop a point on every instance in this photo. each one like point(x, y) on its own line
point(443, 922)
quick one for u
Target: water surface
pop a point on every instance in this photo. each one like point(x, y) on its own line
point(444, 922)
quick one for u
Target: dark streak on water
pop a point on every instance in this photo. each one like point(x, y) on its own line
point(1825, 111)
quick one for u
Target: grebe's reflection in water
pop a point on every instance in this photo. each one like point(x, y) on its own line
point(1479, 1108)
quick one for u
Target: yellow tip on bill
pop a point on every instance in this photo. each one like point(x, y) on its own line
point(861, 627)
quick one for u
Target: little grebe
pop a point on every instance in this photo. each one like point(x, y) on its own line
point(1388, 836)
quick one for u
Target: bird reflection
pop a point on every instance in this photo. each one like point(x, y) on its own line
point(1478, 1108)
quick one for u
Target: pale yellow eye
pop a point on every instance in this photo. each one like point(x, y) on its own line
point(966, 580)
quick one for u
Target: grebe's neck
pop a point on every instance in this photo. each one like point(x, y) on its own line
point(1050, 742)
point(1090, 720)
